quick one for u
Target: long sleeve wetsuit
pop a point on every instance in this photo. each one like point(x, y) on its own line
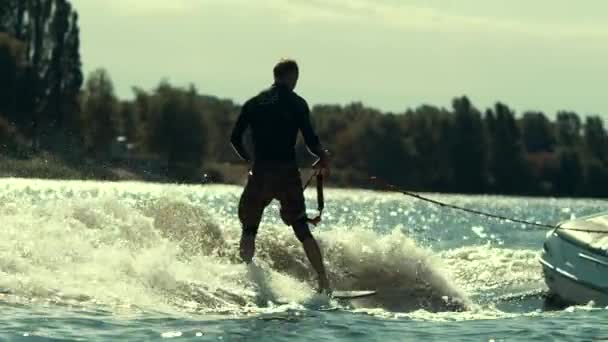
point(275, 117)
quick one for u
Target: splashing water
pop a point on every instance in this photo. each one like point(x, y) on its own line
point(133, 248)
point(155, 247)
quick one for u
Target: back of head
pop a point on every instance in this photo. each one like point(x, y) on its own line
point(286, 72)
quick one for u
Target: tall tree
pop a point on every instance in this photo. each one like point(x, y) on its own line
point(101, 113)
point(468, 141)
point(568, 128)
point(596, 140)
point(10, 65)
point(427, 131)
point(177, 131)
point(49, 96)
point(507, 163)
point(387, 155)
point(538, 133)
point(569, 178)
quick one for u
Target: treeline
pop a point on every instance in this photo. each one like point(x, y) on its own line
point(463, 149)
point(41, 74)
point(178, 133)
point(178, 127)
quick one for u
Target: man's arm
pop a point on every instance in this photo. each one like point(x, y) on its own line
point(237, 134)
point(310, 137)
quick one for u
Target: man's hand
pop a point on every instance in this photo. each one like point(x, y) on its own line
point(323, 165)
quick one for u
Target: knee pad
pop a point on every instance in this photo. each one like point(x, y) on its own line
point(302, 231)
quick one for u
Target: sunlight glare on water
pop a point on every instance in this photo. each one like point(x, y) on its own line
point(92, 260)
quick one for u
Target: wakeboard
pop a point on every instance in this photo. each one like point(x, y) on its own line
point(352, 294)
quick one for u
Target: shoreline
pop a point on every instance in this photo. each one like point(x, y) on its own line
point(52, 168)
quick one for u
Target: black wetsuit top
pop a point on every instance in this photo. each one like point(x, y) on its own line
point(275, 116)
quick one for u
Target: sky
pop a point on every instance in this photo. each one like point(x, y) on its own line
point(544, 55)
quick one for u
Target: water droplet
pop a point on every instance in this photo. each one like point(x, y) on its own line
point(171, 334)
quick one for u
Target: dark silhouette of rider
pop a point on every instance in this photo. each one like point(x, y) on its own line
point(275, 117)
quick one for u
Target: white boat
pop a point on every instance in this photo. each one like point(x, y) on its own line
point(575, 260)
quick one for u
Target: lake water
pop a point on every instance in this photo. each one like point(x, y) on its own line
point(133, 261)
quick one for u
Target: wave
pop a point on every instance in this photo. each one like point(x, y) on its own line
point(491, 271)
point(174, 248)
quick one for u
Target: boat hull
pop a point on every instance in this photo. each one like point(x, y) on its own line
point(572, 292)
point(573, 273)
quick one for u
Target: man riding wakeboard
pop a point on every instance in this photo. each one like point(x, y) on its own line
point(275, 117)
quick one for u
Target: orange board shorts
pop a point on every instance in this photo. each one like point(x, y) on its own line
point(272, 181)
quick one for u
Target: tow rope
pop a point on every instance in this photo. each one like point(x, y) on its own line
point(541, 225)
point(392, 187)
point(320, 197)
point(318, 175)
point(446, 205)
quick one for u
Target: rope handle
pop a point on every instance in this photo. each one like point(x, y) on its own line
point(320, 196)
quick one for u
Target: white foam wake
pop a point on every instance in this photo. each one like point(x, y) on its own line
point(168, 247)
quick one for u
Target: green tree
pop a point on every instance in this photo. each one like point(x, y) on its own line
point(537, 131)
point(129, 122)
point(427, 133)
point(178, 132)
point(568, 128)
point(468, 142)
point(48, 101)
point(596, 178)
point(387, 155)
point(596, 140)
point(569, 178)
point(100, 108)
point(508, 167)
point(10, 68)
point(219, 114)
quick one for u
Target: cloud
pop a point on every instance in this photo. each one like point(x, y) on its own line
point(150, 7)
point(390, 52)
point(411, 16)
point(391, 14)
